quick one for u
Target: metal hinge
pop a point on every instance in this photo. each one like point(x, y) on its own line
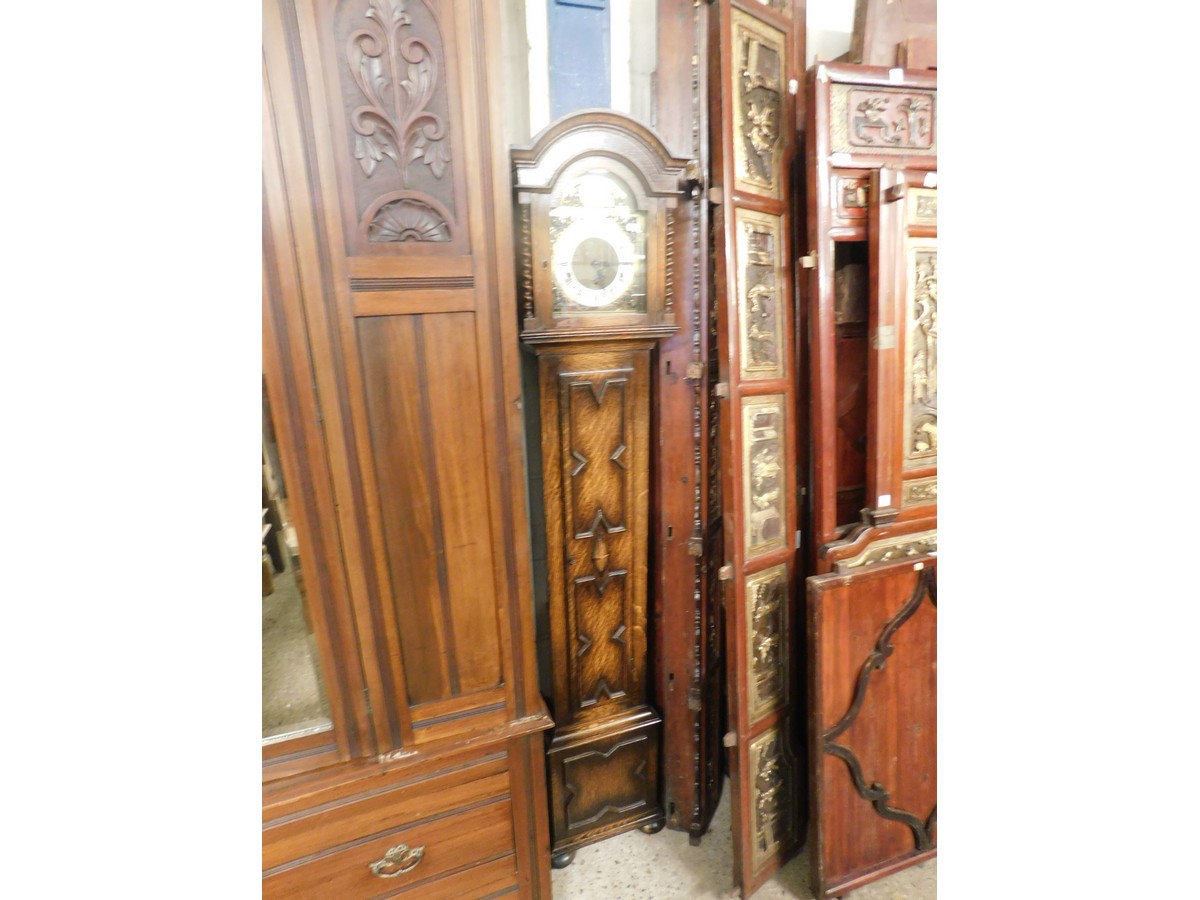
point(730, 739)
point(809, 261)
point(694, 371)
point(725, 573)
point(693, 698)
point(721, 389)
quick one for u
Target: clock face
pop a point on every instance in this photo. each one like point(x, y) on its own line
point(594, 263)
point(597, 256)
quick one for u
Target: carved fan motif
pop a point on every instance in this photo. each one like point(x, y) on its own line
point(407, 220)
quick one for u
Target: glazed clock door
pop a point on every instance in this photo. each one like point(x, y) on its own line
point(873, 676)
point(756, 53)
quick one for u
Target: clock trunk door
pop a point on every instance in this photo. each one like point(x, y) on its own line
point(754, 57)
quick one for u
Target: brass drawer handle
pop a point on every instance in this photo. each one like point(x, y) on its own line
point(397, 861)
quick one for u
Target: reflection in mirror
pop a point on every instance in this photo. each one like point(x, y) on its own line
point(293, 697)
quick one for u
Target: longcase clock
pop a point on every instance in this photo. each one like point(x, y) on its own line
point(596, 195)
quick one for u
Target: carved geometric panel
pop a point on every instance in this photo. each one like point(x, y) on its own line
point(395, 111)
point(767, 640)
point(773, 810)
point(764, 479)
point(760, 282)
point(591, 773)
point(759, 72)
point(882, 120)
point(595, 445)
point(920, 373)
point(599, 659)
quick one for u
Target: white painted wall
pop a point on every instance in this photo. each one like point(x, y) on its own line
point(830, 23)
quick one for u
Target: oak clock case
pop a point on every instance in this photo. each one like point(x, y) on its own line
point(595, 197)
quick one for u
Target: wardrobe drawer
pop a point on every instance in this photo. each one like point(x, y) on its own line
point(382, 803)
point(413, 854)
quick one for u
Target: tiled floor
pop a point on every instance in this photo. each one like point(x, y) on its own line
point(664, 866)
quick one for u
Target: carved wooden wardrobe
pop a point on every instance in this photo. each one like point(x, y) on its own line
point(390, 358)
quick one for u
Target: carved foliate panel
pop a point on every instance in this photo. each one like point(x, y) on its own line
point(767, 640)
point(759, 75)
point(764, 481)
point(395, 106)
point(772, 812)
point(759, 282)
point(891, 549)
point(882, 120)
point(919, 490)
point(920, 374)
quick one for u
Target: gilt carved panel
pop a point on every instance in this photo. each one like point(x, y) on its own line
point(772, 812)
point(760, 280)
point(920, 374)
point(767, 640)
point(764, 479)
point(759, 76)
point(919, 490)
point(880, 120)
point(394, 109)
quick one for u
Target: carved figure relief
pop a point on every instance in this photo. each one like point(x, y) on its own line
point(877, 119)
point(922, 342)
point(882, 120)
point(758, 119)
point(395, 101)
point(920, 490)
point(766, 603)
point(759, 281)
point(764, 476)
point(772, 809)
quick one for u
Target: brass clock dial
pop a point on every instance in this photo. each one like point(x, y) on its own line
point(597, 248)
point(594, 262)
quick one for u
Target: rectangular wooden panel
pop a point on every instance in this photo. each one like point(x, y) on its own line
point(424, 409)
point(604, 780)
point(393, 350)
point(873, 709)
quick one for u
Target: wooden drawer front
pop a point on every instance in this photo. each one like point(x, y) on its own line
point(451, 843)
point(387, 805)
